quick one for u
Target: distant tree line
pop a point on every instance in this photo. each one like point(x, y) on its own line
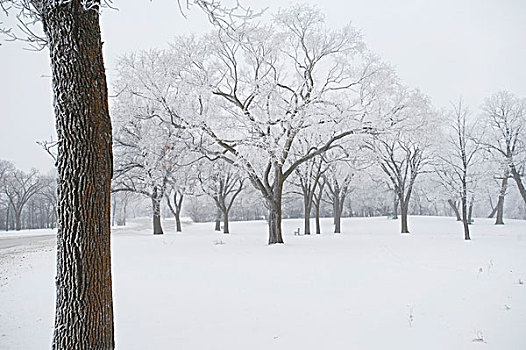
point(28, 200)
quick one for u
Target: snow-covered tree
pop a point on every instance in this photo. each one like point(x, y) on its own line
point(458, 157)
point(146, 156)
point(223, 183)
point(505, 119)
point(404, 150)
point(72, 34)
point(19, 187)
point(182, 182)
point(259, 88)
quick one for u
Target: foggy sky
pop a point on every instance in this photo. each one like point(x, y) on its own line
point(448, 49)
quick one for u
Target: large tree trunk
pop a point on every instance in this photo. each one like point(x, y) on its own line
point(500, 203)
point(274, 219)
point(156, 209)
point(518, 180)
point(455, 209)
point(84, 306)
point(274, 225)
point(18, 220)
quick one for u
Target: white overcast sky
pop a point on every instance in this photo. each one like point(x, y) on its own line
point(447, 48)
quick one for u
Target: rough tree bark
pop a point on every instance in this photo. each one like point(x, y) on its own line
point(84, 306)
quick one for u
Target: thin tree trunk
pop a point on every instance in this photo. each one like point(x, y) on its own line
point(7, 219)
point(470, 212)
point(520, 185)
point(317, 214)
point(395, 207)
point(113, 211)
point(317, 204)
point(124, 212)
point(307, 209)
point(455, 209)
point(500, 203)
point(178, 207)
point(337, 214)
point(465, 223)
point(404, 208)
point(218, 220)
point(493, 212)
point(178, 221)
point(226, 229)
point(84, 306)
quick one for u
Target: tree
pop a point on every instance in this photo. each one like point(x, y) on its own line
point(84, 315)
point(307, 178)
point(223, 184)
point(249, 93)
point(457, 161)
point(505, 119)
point(47, 201)
point(403, 151)
point(119, 207)
point(6, 168)
point(318, 197)
point(338, 181)
point(181, 183)
point(145, 157)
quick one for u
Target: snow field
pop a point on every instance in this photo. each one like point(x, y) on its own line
point(367, 288)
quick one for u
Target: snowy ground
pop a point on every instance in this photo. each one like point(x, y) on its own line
point(368, 288)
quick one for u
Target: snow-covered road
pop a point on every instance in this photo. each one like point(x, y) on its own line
point(17, 242)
